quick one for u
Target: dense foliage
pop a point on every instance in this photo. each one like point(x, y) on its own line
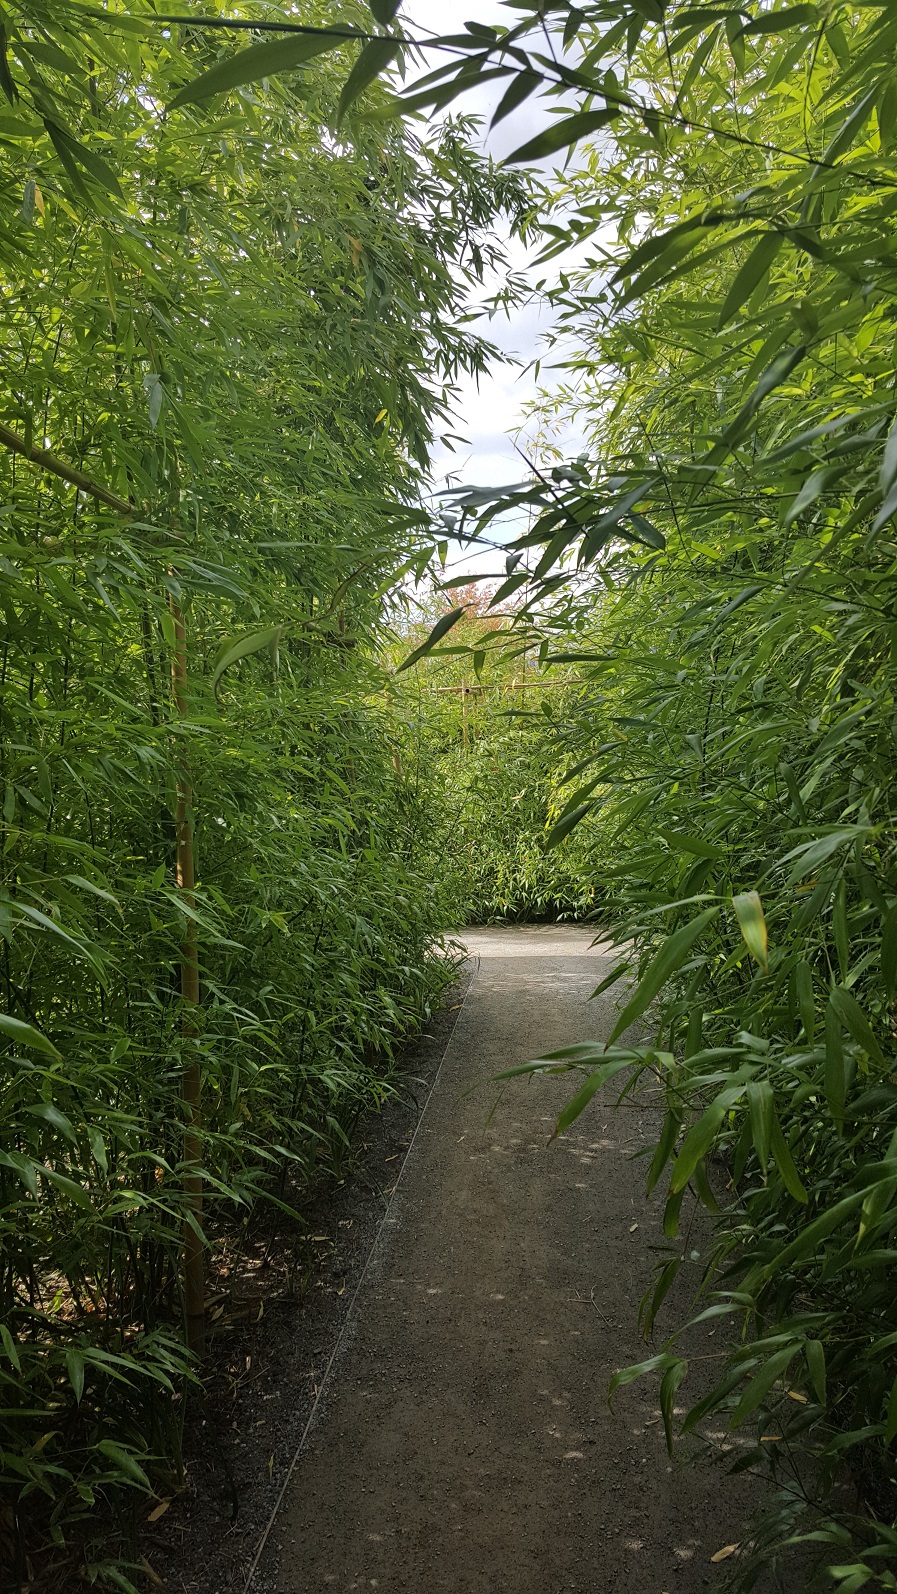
point(490, 735)
point(226, 335)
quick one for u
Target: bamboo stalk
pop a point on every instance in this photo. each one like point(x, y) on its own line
point(465, 733)
point(191, 1088)
point(59, 467)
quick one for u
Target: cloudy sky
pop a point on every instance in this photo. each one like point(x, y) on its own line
point(491, 411)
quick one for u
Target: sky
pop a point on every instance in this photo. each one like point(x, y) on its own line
point(491, 410)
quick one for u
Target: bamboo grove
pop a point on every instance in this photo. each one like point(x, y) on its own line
point(231, 269)
point(226, 337)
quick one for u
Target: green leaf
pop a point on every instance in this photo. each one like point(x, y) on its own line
point(891, 1416)
point(562, 134)
point(809, 855)
point(581, 1100)
point(261, 61)
point(762, 1382)
point(51, 1115)
point(694, 844)
point(74, 1361)
point(438, 632)
point(750, 274)
point(814, 1350)
point(25, 1035)
point(374, 59)
point(664, 1149)
point(384, 10)
point(849, 129)
point(803, 981)
point(889, 952)
point(562, 829)
point(74, 154)
point(628, 1375)
point(855, 1022)
point(888, 471)
point(125, 1463)
point(669, 1384)
point(702, 1135)
point(665, 962)
point(761, 1102)
point(10, 1346)
point(244, 647)
point(785, 1164)
point(76, 1192)
point(521, 86)
point(751, 920)
point(813, 488)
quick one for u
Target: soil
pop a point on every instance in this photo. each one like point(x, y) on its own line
point(275, 1324)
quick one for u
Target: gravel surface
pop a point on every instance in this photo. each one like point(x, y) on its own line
point(464, 1443)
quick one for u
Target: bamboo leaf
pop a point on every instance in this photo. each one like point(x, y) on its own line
point(750, 274)
point(600, 1076)
point(752, 923)
point(376, 56)
point(663, 965)
point(563, 134)
point(855, 1022)
point(261, 61)
point(26, 1035)
point(243, 647)
point(440, 629)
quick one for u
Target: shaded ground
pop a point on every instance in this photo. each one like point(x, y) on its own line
point(275, 1324)
point(464, 1444)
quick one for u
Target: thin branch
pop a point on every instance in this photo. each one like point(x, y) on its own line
point(67, 473)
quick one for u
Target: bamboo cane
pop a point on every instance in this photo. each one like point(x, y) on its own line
point(191, 1087)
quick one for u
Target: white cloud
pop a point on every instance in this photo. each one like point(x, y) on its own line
point(490, 412)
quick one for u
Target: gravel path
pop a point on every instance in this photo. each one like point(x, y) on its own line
point(464, 1443)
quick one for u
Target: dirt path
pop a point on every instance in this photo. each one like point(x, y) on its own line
point(464, 1443)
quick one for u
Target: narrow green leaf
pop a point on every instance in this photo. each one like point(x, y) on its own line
point(563, 134)
point(74, 1361)
point(702, 1135)
point(803, 982)
point(849, 129)
point(125, 1463)
point(891, 1416)
point(439, 630)
point(10, 1346)
point(856, 1023)
point(693, 844)
point(521, 86)
point(665, 962)
point(261, 61)
point(814, 1351)
point(577, 1103)
point(889, 952)
point(231, 652)
point(786, 1166)
point(762, 1382)
point(374, 59)
point(562, 829)
point(670, 1382)
point(750, 274)
point(751, 920)
point(761, 1102)
point(664, 1148)
point(26, 1035)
